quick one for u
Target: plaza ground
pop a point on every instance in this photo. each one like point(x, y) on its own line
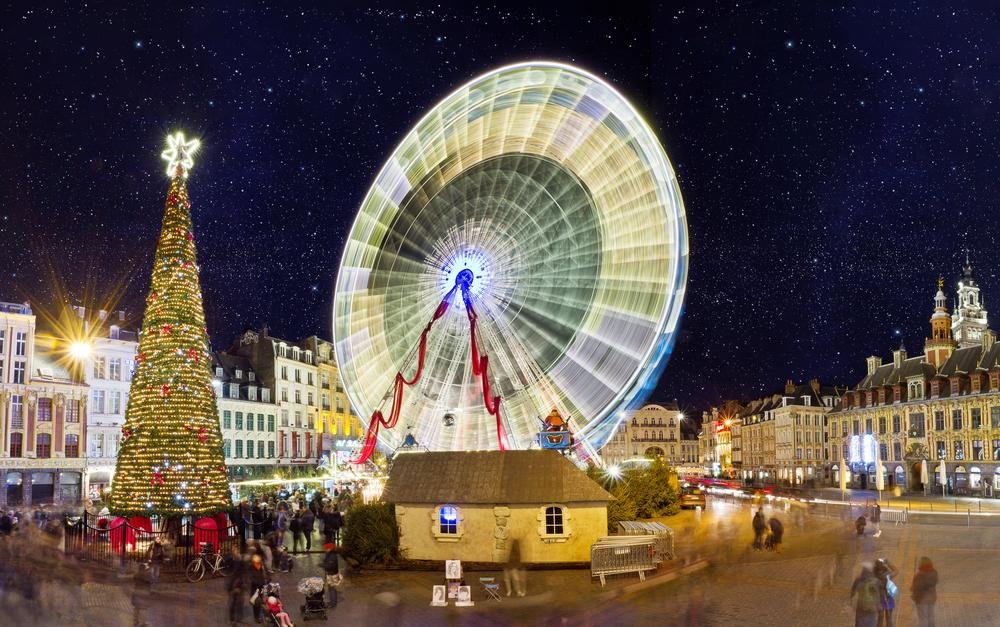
point(807, 583)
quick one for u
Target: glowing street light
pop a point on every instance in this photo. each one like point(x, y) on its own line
point(80, 350)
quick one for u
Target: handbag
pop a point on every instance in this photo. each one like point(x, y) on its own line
point(334, 580)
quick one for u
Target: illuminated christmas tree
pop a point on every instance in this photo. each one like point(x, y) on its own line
point(171, 461)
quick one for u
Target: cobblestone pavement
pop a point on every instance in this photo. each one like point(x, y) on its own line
point(807, 583)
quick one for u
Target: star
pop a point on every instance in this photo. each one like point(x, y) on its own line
point(179, 154)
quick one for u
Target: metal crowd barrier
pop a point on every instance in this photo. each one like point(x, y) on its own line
point(664, 535)
point(896, 516)
point(617, 555)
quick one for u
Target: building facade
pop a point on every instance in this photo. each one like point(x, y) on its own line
point(247, 416)
point(340, 430)
point(653, 430)
point(938, 409)
point(43, 417)
point(108, 372)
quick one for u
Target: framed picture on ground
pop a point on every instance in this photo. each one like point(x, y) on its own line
point(438, 596)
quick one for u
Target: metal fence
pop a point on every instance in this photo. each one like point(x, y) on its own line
point(663, 534)
point(117, 542)
point(618, 555)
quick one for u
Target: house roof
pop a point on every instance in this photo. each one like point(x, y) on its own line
point(499, 477)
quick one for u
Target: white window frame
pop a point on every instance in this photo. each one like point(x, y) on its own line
point(436, 524)
point(566, 523)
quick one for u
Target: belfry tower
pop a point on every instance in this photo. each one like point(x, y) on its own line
point(968, 323)
point(939, 346)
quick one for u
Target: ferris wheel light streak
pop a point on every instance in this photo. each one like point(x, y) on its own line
point(539, 195)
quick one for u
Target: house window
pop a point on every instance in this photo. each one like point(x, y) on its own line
point(226, 448)
point(239, 449)
point(72, 411)
point(881, 425)
point(16, 412)
point(956, 419)
point(252, 393)
point(270, 424)
point(239, 373)
point(897, 451)
point(98, 397)
point(448, 520)
point(18, 372)
point(16, 441)
point(270, 449)
point(218, 372)
point(20, 343)
point(265, 395)
point(227, 419)
point(977, 450)
point(260, 422)
point(284, 373)
point(940, 449)
point(917, 424)
point(995, 417)
point(249, 449)
point(114, 402)
point(260, 448)
point(100, 368)
point(43, 445)
point(939, 421)
point(977, 418)
point(234, 390)
point(251, 376)
point(239, 420)
point(45, 410)
point(72, 445)
point(115, 369)
point(896, 423)
point(309, 378)
point(959, 450)
point(554, 520)
point(298, 396)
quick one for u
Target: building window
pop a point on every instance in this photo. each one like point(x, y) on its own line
point(265, 395)
point(284, 372)
point(883, 451)
point(114, 402)
point(959, 450)
point(298, 419)
point(72, 445)
point(448, 520)
point(995, 417)
point(996, 450)
point(309, 378)
point(252, 393)
point(239, 449)
point(18, 372)
point(260, 449)
point(115, 369)
point(43, 446)
point(251, 376)
point(44, 410)
point(940, 449)
point(896, 423)
point(340, 405)
point(234, 390)
point(868, 426)
point(20, 343)
point(844, 431)
point(298, 396)
point(956, 419)
point(239, 420)
point(218, 371)
point(309, 400)
point(249, 449)
point(72, 411)
point(881, 425)
point(239, 373)
point(98, 399)
point(284, 395)
point(100, 368)
point(939, 421)
point(227, 419)
point(897, 451)
point(977, 450)
point(226, 448)
point(554, 520)
point(16, 440)
point(298, 373)
point(270, 449)
point(977, 418)
point(917, 425)
point(270, 424)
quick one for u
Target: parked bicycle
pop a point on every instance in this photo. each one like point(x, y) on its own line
point(206, 562)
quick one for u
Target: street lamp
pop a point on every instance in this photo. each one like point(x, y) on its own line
point(80, 350)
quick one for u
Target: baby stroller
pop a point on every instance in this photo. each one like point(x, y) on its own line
point(315, 605)
point(260, 598)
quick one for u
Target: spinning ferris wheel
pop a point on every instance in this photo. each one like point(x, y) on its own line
point(523, 250)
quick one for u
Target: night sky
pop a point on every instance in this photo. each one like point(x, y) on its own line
point(833, 161)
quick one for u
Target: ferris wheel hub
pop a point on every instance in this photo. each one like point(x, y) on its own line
point(464, 279)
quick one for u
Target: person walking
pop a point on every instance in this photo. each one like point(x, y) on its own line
point(336, 524)
point(331, 566)
point(876, 520)
point(295, 526)
point(777, 532)
point(923, 591)
point(759, 525)
point(888, 591)
point(156, 557)
point(308, 523)
point(235, 588)
point(513, 572)
point(281, 526)
point(866, 597)
point(254, 579)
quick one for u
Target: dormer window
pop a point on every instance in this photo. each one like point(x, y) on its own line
point(218, 371)
point(251, 376)
point(239, 373)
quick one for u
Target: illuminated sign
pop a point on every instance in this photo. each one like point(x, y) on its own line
point(862, 449)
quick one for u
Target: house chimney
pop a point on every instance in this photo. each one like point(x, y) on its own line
point(899, 356)
point(874, 362)
point(789, 387)
point(814, 384)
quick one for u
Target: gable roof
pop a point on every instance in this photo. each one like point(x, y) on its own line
point(494, 477)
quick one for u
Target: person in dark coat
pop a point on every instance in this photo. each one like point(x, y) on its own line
point(257, 517)
point(331, 565)
point(254, 578)
point(759, 525)
point(308, 524)
point(6, 524)
point(295, 526)
point(923, 591)
point(235, 586)
point(777, 531)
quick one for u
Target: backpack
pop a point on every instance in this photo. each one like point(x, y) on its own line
point(869, 599)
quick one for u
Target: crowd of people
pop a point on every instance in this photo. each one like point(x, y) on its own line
point(295, 519)
point(875, 594)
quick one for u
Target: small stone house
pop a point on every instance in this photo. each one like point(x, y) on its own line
point(470, 505)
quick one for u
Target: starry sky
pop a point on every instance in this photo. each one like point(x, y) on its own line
point(834, 161)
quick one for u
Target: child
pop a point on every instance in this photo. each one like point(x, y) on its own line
point(274, 606)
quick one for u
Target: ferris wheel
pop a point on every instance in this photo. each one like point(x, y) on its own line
point(523, 250)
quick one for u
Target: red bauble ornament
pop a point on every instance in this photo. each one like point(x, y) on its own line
point(189, 427)
point(202, 435)
point(165, 391)
point(126, 433)
point(167, 329)
point(190, 236)
point(141, 357)
point(157, 478)
point(153, 296)
point(194, 354)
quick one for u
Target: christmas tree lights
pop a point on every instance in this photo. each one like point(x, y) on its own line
point(171, 461)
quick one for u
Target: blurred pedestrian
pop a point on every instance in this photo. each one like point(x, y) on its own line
point(759, 526)
point(235, 586)
point(308, 523)
point(156, 557)
point(513, 572)
point(859, 525)
point(888, 591)
point(295, 526)
point(281, 525)
point(866, 598)
point(331, 566)
point(923, 591)
point(254, 579)
point(777, 532)
point(877, 519)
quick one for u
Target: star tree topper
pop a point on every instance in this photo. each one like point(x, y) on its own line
point(179, 154)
